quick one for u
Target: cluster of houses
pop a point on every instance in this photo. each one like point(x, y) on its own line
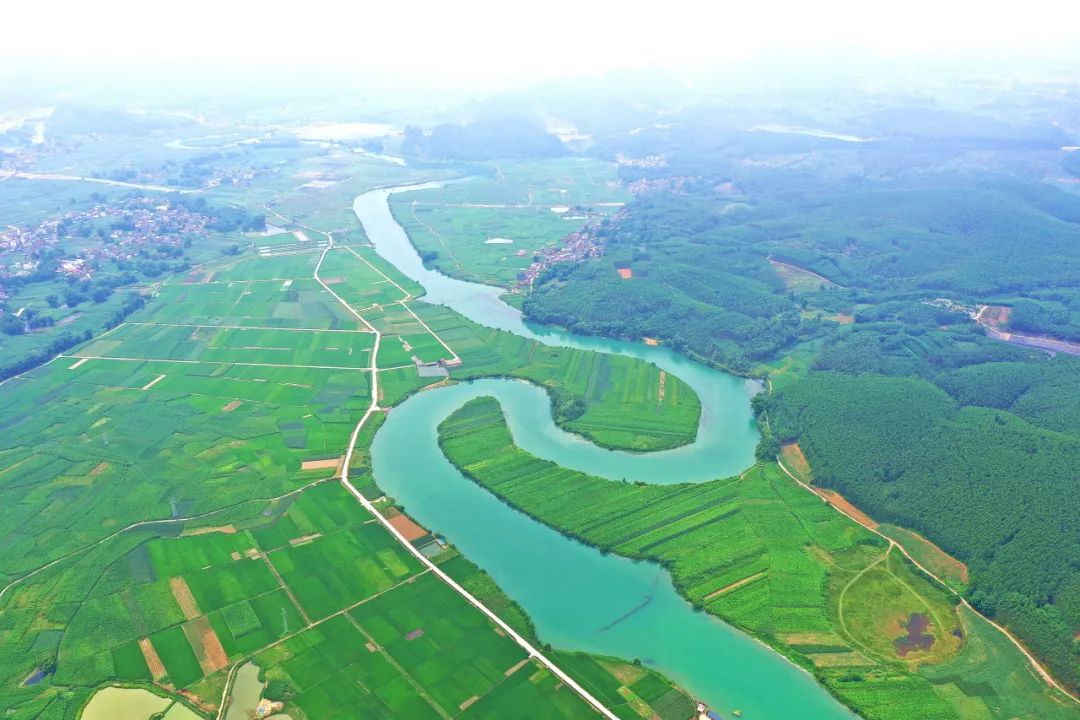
point(667, 184)
point(577, 246)
point(124, 230)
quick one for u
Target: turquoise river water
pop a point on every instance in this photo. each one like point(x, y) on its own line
point(579, 598)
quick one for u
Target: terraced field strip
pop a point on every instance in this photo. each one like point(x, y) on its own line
point(735, 585)
point(184, 598)
point(157, 668)
point(221, 362)
point(249, 327)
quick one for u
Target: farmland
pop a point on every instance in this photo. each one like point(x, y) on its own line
point(772, 559)
point(169, 514)
point(488, 228)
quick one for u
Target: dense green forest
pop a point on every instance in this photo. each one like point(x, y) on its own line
point(708, 294)
point(906, 407)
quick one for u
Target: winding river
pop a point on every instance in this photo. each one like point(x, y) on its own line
point(579, 598)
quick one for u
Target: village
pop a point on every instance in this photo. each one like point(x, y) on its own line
point(578, 246)
point(124, 231)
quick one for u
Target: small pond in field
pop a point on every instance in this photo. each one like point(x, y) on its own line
point(918, 635)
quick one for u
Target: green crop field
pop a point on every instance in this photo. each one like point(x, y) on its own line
point(168, 484)
point(451, 226)
point(769, 557)
point(613, 400)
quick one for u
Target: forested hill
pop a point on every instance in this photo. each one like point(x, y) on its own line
point(905, 406)
point(705, 291)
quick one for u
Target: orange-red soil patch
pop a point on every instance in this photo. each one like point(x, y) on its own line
point(626, 273)
point(224, 529)
point(157, 668)
point(650, 341)
point(660, 389)
point(838, 501)
point(204, 641)
point(184, 598)
point(842, 319)
point(100, 468)
point(407, 527)
point(232, 406)
point(796, 461)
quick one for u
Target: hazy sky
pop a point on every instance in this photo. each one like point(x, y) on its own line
point(490, 41)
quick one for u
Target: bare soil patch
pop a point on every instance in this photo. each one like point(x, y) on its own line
point(407, 527)
point(838, 501)
point(225, 529)
point(204, 641)
point(516, 666)
point(734, 585)
point(842, 319)
point(328, 464)
point(795, 461)
point(231, 406)
point(626, 273)
point(99, 468)
point(184, 598)
point(650, 341)
point(660, 389)
point(994, 316)
point(157, 668)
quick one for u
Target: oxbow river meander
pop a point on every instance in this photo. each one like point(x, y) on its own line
point(579, 598)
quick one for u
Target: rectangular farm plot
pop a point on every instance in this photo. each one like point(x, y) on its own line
point(130, 664)
point(246, 626)
point(358, 282)
point(405, 349)
point(338, 674)
point(216, 587)
point(311, 348)
point(442, 642)
point(207, 646)
point(175, 651)
point(340, 569)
